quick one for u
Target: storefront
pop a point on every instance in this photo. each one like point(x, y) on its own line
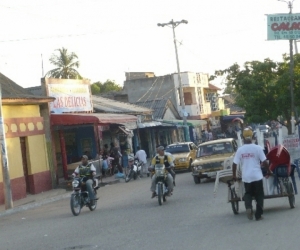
point(78, 134)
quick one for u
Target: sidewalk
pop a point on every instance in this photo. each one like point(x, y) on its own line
point(32, 201)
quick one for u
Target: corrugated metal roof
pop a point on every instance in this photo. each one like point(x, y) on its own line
point(11, 90)
point(106, 105)
point(159, 106)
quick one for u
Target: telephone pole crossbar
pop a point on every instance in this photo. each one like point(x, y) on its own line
point(173, 25)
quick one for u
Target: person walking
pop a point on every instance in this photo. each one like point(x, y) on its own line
point(252, 159)
point(142, 157)
point(115, 153)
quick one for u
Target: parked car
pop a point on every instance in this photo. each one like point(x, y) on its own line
point(210, 158)
point(265, 129)
point(184, 153)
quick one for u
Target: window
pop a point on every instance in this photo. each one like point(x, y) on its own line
point(188, 98)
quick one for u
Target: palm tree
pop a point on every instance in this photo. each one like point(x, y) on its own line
point(66, 64)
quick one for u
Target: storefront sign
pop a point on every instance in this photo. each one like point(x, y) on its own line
point(291, 142)
point(283, 26)
point(70, 96)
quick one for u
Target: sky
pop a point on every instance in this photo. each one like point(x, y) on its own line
point(111, 37)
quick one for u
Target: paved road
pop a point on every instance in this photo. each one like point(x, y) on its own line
point(126, 218)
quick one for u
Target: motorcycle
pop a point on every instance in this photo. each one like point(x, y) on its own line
point(134, 171)
point(160, 181)
point(80, 195)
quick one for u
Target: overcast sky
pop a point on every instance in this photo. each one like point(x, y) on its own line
point(111, 37)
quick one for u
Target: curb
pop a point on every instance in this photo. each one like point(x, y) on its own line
point(47, 200)
point(34, 204)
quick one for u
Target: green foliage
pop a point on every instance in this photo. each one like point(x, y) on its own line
point(105, 87)
point(262, 88)
point(66, 64)
point(95, 89)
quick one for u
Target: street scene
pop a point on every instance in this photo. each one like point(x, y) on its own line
point(149, 125)
point(126, 217)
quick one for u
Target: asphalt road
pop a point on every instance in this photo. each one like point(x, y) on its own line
point(126, 218)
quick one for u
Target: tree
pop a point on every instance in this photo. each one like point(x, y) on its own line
point(262, 88)
point(66, 64)
point(105, 87)
point(95, 89)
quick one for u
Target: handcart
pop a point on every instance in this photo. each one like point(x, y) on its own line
point(281, 182)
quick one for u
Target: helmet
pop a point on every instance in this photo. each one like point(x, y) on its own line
point(130, 158)
point(247, 133)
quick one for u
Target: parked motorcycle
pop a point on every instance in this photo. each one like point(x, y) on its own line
point(134, 171)
point(161, 180)
point(80, 195)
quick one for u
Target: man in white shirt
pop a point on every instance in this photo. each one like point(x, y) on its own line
point(142, 157)
point(250, 157)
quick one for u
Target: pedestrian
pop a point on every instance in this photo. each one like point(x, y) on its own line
point(142, 157)
point(250, 157)
point(115, 153)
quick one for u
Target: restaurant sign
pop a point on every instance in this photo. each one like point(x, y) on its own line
point(70, 96)
point(283, 26)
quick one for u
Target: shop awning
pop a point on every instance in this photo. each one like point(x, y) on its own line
point(231, 117)
point(92, 118)
point(149, 124)
point(194, 123)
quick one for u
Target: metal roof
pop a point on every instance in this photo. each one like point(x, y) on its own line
point(159, 107)
point(105, 105)
point(13, 91)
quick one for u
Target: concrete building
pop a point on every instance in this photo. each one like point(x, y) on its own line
point(200, 97)
point(26, 119)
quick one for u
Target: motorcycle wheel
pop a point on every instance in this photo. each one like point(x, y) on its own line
point(129, 177)
point(75, 204)
point(160, 193)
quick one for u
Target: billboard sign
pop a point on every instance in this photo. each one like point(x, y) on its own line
point(70, 95)
point(283, 26)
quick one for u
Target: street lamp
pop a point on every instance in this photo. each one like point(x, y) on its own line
point(290, 6)
point(174, 25)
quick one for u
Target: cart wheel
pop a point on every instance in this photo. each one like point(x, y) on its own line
point(234, 204)
point(290, 192)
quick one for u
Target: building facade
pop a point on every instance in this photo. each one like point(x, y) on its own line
point(25, 126)
point(200, 97)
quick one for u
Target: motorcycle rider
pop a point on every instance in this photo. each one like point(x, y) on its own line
point(86, 169)
point(162, 158)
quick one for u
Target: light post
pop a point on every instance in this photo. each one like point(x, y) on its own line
point(290, 6)
point(184, 113)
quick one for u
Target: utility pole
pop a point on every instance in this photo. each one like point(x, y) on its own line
point(5, 169)
point(184, 113)
point(290, 6)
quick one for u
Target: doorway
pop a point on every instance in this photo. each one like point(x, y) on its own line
point(24, 162)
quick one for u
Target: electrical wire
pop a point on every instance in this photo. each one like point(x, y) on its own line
point(147, 90)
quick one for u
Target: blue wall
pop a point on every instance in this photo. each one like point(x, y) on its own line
point(88, 134)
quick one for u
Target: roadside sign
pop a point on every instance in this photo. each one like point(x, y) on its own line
point(283, 26)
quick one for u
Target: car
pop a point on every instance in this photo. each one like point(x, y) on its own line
point(184, 153)
point(211, 156)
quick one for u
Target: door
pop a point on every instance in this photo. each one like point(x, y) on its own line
point(24, 162)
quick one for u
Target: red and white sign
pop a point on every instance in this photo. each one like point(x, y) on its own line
point(291, 143)
point(70, 95)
